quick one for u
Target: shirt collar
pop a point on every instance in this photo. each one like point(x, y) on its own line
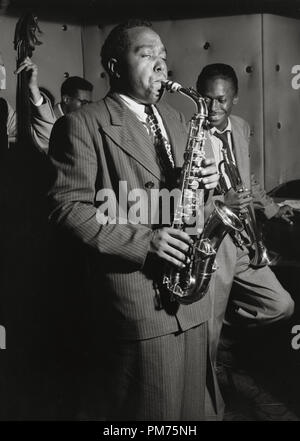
point(227, 128)
point(139, 111)
point(137, 108)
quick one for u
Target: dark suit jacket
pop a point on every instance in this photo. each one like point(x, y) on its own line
point(95, 148)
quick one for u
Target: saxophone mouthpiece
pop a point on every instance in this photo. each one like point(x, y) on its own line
point(171, 86)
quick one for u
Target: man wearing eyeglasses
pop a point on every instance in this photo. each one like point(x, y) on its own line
point(75, 93)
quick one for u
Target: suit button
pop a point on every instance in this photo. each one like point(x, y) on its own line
point(149, 184)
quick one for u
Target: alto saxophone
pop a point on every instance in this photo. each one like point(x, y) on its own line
point(191, 283)
point(253, 241)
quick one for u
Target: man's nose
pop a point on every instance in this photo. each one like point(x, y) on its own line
point(160, 65)
point(213, 105)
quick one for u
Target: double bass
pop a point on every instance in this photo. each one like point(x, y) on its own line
point(23, 238)
point(25, 41)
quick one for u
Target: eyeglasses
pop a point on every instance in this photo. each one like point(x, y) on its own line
point(82, 102)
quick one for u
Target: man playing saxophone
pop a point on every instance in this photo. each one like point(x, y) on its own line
point(257, 297)
point(155, 364)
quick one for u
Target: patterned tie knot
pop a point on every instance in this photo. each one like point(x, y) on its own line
point(148, 109)
point(223, 136)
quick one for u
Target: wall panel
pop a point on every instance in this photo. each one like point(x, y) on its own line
point(281, 40)
point(255, 45)
point(191, 44)
point(60, 52)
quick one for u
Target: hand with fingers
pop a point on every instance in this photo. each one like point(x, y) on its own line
point(285, 213)
point(238, 201)
point(171, 245)
point(27, 65)
point(208, 174)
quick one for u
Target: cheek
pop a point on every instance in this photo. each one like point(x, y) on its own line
point(142, 74)
point(134, 77)
point(141, 80)
point(228, 109)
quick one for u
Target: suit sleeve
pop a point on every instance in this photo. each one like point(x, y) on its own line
point(261, 200)
point(43, 119)
point(76, 172)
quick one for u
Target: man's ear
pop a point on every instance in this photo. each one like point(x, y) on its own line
point(113, 67)
point(235, 100)
point(65, 99)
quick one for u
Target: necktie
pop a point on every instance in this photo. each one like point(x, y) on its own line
point(224, 138)
point(225, 181)
point(162, 146)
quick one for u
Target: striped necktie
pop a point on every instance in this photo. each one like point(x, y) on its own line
point(225, 179)
point(226, 147)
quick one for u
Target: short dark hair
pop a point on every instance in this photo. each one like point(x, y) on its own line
point(117, 41)
point(72, 84)
point(217, 70)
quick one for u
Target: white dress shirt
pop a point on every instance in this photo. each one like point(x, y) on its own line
point(139, 111)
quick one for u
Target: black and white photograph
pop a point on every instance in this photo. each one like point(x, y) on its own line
point(150, 214)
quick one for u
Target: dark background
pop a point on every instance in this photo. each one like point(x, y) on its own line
point(113, 10)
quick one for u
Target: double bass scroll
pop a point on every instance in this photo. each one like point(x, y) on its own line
point(25, 41)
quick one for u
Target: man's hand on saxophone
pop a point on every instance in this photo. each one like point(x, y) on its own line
point(237, 200)
point(208, 174)
point(172, 244)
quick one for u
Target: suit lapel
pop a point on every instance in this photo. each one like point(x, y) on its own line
point(241, 152)
point(130, 134)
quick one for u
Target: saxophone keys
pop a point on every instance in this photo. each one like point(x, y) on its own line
point(198, 161)
point(194, 184)
point(215, 266)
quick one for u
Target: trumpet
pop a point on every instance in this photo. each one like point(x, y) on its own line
point(253, 240)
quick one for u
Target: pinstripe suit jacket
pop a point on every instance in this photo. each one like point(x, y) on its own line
point(241, 138)
point(93, 149)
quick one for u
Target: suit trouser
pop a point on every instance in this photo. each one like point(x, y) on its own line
point(160, 379)
point(256, 296)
